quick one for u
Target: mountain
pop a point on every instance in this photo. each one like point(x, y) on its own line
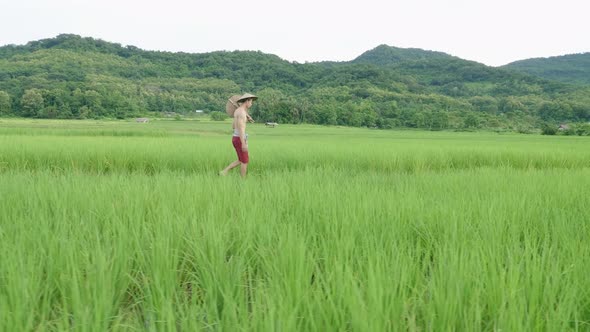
point(131, 62)
point(80, 77)
point(385, 55)
point(454, 76)
point(572, 68)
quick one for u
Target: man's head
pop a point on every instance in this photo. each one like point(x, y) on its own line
point(236, 101)
point(247, 99)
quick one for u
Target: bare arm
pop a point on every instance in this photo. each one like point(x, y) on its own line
point(249, 118)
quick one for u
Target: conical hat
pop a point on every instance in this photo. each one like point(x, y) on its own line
point(232, 105)
point(247, 96)
point(233, 102)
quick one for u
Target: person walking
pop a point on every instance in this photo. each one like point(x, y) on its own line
point(237, 107)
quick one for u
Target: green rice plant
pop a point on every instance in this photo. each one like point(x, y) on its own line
point(334, 229)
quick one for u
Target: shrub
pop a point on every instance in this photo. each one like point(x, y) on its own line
point(218, 116)
point(524, 130)
point(582, 129)
point(548, 129)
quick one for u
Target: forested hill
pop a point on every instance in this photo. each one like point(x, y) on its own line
point(454, 76)
point(74, 77)
point(572, 68)
point(389, 55)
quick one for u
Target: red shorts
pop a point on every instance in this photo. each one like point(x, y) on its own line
point(242, 155)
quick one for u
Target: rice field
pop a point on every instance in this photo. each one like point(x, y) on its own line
point(120, 226)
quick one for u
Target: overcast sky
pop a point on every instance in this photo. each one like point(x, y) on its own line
point(493, 32)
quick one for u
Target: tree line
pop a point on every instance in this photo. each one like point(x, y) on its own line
point(71, 77)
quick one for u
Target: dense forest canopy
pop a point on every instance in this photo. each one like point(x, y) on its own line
point(74, 77)
point(571, 68)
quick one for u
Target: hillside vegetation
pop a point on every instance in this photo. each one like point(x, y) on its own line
point(74, 77)
point(571, 68)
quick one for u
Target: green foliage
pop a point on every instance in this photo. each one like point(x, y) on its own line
point(582, 129)
point(388, 55)
point(74, 77)
point(32, 103)
point(121, 226)
point(548, 129)
point(472, 121)
point(572, 68)
point(218, 116)
point(5, 103)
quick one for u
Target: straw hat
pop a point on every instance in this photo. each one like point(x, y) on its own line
point(247, 96)
point(233, 102)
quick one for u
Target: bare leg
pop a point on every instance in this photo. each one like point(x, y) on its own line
point(229, 167)
point(243, 170)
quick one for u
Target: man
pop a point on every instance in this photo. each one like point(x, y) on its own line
point(240, 138)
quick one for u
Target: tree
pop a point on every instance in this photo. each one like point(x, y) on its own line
point(31, 102)
point(267, 107)
point(85, 112)
point(510, 104)
point(485, 104)
point(77, 100)
point(408, 118)
point(439, 120)
point(5, 107)
point(326, 115)
point(548, 110)
point(389, 110)
point(92, 100)
point(548, 129)
point(471, 121)
point(581, 111)
point(82, 77)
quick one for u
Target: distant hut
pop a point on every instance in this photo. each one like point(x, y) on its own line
point(563, 126)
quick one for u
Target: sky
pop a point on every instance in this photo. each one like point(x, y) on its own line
point(493, 32)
